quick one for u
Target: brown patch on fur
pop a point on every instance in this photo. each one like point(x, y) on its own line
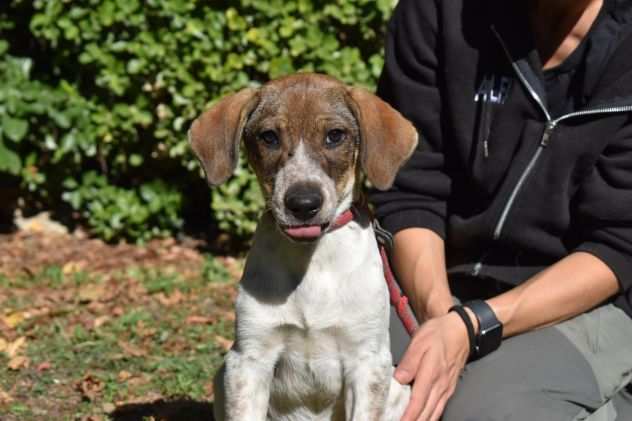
point(378, 392)
point(303, 108)
point(388, 139)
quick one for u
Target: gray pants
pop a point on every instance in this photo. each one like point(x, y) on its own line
point(576, 370)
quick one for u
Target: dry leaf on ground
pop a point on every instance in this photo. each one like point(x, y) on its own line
point(92, 418)
point(18, 362)
point(227, 315)
point(5, 397)
point(146, 398)
point(209, 390)
point(108, 407)
point(132, 350)
point(72, 267)
point(100, 321)
point(135, 382)
point(13, 348)
point(90, 387)
point(124, 375)
point(13, 319)
point(172, 299)
point(225, 343)
point(92, 292)
point(200, 320)
point(44, 366)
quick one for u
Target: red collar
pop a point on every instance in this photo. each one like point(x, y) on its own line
point(344, 218)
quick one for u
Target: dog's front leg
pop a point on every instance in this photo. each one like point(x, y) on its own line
point(368, 380)
point(247, 386)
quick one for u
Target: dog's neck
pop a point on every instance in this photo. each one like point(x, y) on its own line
point(274, 258)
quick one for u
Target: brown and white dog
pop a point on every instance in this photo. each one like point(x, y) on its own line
point(311, 339)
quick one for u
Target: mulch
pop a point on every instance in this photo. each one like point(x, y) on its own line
point(28, 252)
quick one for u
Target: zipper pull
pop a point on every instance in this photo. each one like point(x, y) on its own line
point(548, 133)
point(486, 148)
point(477, 269)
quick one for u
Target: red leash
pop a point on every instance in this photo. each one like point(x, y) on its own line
point(398, 299)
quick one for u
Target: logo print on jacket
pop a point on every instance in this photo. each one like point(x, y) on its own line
point(493, 89)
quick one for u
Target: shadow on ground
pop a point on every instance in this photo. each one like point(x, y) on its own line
point(162, 410)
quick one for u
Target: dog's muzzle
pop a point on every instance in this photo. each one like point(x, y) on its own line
point(303, 201)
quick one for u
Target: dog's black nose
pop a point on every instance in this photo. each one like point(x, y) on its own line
point(303, 200)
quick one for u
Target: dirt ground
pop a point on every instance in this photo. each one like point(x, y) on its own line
point(91, 331)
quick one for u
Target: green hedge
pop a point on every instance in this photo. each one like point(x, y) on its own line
point(96, 97)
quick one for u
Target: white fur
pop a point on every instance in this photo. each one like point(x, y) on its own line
point(311, 332)
point(302, 168)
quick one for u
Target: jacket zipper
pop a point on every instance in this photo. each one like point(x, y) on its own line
point(544, 142)
point(551, 124)
point(487, 126)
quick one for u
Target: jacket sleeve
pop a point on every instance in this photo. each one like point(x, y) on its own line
point(410, 83)
point(604, 208)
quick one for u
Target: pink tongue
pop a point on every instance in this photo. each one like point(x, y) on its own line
point(310, 231)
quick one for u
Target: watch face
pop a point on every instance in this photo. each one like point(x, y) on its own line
point(494, 332)
point(491, 330)
point(490, 338)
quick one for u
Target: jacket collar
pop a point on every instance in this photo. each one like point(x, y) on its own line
point(607, 70)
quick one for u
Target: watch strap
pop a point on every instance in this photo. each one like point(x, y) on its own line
point(490, 329)
point(469, 326)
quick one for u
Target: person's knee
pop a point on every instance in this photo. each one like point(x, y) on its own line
point(536, 376)
point(478, 404)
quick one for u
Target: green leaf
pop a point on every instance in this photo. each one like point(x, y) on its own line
point(135, 160)
point(14, 128)
point(9, 160)
point(280, 66)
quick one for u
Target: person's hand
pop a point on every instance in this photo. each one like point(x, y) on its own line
point(433, 362)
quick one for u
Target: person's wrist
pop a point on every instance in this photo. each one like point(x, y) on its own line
point(457, 326)
point(433, 311)
point(473, 319)
point(436, 304)
point(463, 324)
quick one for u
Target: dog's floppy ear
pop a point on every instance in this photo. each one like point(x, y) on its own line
point(387, 138)
point(215, 135)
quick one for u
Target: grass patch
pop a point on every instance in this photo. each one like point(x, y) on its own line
point(95, 341)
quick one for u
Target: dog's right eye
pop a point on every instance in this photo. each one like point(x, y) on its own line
point(270, 139)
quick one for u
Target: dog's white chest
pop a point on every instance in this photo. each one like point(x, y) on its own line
point(309, 377)
point(313, 315)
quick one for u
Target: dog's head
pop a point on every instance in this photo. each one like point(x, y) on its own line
point(305, 136)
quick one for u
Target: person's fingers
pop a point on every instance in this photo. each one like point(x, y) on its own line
point(425, 379)
point(443, 401)
point(418, 397)
point(438, 411)
point(436, 393)
point(409, 364)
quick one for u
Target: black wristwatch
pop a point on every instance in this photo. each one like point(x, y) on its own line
point(490, 331)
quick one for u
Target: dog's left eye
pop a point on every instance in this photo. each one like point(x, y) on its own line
point(270, 139)
point(334, 137)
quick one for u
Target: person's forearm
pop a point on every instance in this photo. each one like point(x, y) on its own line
point(570, 287)
point(419, 262)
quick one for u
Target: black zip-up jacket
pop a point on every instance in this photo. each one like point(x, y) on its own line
point(511, 188)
